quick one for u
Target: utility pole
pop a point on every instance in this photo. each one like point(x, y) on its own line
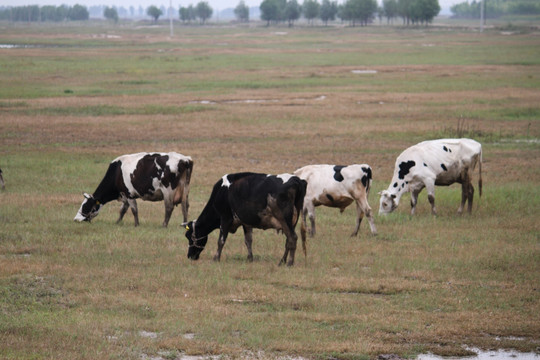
point(482, 16)
point(170, 17)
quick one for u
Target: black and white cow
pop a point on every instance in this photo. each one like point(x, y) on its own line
point(430, 163)
point(250, 200)
point(2, 183)
point(337, 186)
point(148, 176)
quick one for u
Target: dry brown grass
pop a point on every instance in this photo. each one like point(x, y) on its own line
point(424, 284)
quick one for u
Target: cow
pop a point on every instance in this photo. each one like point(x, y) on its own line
point(2, 183)
point(148, 176)
point(435, 162)
point(250, 200)
point(337, 186)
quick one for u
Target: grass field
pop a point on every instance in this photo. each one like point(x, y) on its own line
point(267, 100)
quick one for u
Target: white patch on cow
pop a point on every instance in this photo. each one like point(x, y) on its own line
point(284, 177)
point(226, 181)
point(79, 216)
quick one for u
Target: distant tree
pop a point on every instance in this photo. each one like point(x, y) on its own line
point(270, 11)
point(311, 10)
point(122, 12)
point(110, 13)
point(390, 10)
point(380, 13)
point(328, 11)
point(292, 12)
point(203, 11)
point(404, 10)
point(154, 12)
point(48, 13)
point(241, 11)
point(423, 11)
point(187, 14)
point(361, 11)
point(78, 12)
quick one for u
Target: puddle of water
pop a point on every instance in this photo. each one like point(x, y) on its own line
point(148, 334)
point(486, 355)
point(14, 46)
point(364, 71)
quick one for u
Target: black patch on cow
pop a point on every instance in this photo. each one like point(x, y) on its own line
point(367, 177)
point(425, 164)
point(330, 197)
point(337, 173)
point(403, 185)
point(444, 167)
point(445, 148)
point(404, 168)
point(395, 184)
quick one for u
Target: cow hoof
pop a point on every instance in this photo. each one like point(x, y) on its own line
point(216, 258)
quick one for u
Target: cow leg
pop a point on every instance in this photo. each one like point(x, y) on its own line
point(430, 187)
point(310, 210)
point(465, 183)
point(290, 248)
point(464, 196)
point(169, 207)
point(290, 242)
point(414, 200)
point(359, 217)
point(123, 210)
point(221, 242)
point(363, 208)
point(185, 209)
point(470, 195)
point(248, 238)
point(134, 210)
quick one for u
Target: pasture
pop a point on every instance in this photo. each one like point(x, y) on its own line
point(268, 100)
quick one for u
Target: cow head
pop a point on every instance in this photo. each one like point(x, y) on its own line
point(196, 244)
point(388, 202)
point(89, 209)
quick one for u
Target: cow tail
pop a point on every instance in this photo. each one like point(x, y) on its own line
point(480, 174)
point(188, 182)
point(370, 180)
point(300, 208)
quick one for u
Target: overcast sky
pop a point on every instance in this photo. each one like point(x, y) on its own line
point(217, 5)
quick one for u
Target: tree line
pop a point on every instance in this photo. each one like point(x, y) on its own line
point(356, 12)
point(495, 8)
point(35, 13)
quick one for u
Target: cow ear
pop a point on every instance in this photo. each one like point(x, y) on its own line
point(393, 196)
point(88, 196)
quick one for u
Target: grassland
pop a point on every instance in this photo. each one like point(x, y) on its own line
point(268, 100)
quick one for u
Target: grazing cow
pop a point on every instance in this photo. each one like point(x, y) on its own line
point(2, 184)
point(430, 163)
point(149, 176)
point(337, 186)
point(252, 200)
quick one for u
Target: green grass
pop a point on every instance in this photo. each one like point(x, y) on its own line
point(423, 284)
